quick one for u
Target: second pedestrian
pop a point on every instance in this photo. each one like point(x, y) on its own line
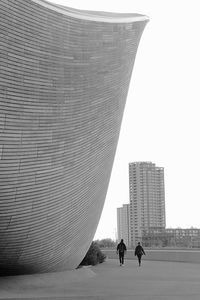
point(139, 251)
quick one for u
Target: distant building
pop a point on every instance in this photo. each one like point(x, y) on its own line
point(183, 237)
point(147, 199)
point(123, 226)
point(143, 219)
point(172, 237)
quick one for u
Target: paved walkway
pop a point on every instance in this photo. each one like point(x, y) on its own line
point(109, 281)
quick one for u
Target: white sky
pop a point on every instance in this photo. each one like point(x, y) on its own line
point(161, 120)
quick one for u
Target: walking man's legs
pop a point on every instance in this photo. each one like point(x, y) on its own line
point(121, 258)
point(139, 259)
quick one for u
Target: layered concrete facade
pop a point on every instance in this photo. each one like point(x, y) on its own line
point(64, 78)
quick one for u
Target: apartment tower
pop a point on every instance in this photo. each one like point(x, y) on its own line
point(123, 226)
point(147, 199)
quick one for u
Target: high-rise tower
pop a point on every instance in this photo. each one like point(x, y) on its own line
point(123, 226)
point(147, 199)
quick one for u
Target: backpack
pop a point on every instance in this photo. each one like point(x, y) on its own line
point(121, 247)
point(139, 250)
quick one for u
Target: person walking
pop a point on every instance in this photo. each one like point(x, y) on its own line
point(121, 250)
point(139, 251)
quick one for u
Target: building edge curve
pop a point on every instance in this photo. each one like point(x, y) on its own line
point(63, 87)
point(97, 16)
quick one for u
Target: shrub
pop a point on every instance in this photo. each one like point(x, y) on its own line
point(94, 256)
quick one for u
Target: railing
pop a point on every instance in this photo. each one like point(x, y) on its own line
point(179, 255)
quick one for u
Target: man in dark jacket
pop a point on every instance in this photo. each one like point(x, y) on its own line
point(121, 249)
point(139, 251)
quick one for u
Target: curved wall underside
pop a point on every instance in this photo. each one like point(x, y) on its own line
point(63, 87)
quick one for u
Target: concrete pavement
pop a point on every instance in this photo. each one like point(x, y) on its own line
point(108, 281)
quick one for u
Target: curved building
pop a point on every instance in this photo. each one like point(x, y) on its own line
point(64, 78)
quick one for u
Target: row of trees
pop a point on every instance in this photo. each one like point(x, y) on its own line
point(106, 243)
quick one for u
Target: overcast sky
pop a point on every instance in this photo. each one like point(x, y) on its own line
point(161, 119)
